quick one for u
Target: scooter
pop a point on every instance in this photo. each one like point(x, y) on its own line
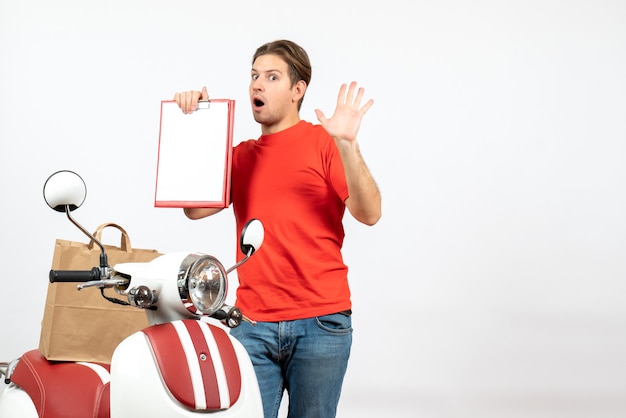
point(181, 365)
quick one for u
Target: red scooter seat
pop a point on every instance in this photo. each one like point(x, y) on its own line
point(64, 389)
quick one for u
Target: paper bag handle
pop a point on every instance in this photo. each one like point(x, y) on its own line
point(124, 241)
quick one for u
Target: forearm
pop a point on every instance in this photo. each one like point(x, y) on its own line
point(198, 213)
point(364, 201)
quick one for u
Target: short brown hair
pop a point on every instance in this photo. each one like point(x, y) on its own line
point(294, 55)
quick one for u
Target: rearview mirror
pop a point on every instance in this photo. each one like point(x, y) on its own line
point(64, 190)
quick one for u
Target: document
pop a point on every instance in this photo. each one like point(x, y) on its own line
point(195, 155)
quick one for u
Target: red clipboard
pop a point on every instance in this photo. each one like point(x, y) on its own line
point(195, 155)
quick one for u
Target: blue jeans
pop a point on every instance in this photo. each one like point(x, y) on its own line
point(307, 357)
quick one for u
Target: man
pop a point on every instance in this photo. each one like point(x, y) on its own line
point(297, 178)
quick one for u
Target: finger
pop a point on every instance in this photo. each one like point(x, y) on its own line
point(205, 94)
point(366, 107)
point(181, 101)
point(342, 94)
point(350, 98)
point(359, 97)
point(320, 116)
point(195, 97)
point(191, 101)
point(184, 99)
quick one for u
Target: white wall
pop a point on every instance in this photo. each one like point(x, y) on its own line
point(494, 284)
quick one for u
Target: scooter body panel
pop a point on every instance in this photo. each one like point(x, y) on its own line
point(15, 402)
point(139, 388)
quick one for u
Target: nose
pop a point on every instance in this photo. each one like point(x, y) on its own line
point(256, 84)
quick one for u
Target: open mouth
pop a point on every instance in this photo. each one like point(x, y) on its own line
point(258, 102)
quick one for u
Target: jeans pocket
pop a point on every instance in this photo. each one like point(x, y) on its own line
point(335, 323)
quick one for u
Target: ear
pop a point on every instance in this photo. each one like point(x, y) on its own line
point(298, 91)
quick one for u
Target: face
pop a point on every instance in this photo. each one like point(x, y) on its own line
point(273, 99)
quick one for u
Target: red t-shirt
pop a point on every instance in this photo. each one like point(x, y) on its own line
point(293, 181)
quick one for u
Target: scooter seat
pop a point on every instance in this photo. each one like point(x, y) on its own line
point(64, 389)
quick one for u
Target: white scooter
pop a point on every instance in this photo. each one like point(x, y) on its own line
point(180, 366)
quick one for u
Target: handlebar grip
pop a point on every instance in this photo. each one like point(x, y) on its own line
point(74, 276)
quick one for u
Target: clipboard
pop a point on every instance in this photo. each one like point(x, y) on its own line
point(195, 155)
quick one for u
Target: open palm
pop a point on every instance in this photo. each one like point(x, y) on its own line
point(345, 122)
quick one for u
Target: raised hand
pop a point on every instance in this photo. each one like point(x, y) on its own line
point(345, 122)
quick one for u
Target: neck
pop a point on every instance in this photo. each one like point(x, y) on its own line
point(280, 125)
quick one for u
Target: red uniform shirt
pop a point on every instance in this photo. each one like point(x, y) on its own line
point(293, 181)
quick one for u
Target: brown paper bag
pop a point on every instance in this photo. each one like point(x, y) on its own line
point(82, 325)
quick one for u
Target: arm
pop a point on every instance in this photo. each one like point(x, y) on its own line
point(364, 201)
point(188, 102)
point(198, 213)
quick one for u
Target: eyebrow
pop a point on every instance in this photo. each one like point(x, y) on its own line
point(271, 70)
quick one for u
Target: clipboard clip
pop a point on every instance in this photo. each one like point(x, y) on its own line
point(204, 104)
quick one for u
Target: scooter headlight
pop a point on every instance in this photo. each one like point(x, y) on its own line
point(202, 284)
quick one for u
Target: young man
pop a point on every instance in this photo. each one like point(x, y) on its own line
point(297, 178)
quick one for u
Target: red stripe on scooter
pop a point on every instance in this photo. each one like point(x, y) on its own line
point(172, 361)
point(170, 356)
point(230, 361)
point(207, 367)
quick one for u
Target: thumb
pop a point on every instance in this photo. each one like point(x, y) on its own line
point(320, 116)
point(205, 94)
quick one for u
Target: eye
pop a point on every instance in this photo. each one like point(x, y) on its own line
point(273, 78)
point(255, 76)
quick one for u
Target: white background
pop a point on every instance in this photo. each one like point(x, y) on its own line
point(494, 284)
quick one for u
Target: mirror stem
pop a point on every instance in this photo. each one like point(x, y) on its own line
point(103, 257)
point(243, 260)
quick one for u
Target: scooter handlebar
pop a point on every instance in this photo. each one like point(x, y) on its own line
point(74, 276)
